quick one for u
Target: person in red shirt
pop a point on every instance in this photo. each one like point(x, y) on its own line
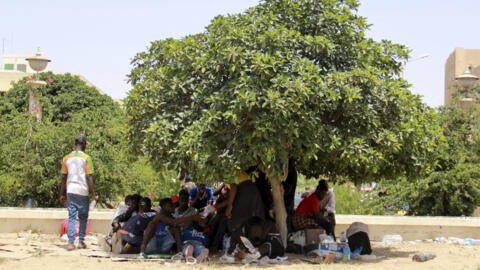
point(308, 215)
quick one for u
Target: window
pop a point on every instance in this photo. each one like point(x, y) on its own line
point(9, 66)
point(22, 67)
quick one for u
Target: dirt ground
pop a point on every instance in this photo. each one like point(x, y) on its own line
point(40, 251)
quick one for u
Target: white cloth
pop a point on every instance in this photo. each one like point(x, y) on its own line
point(328, 202)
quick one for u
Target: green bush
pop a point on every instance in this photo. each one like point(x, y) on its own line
point(447, 193)
point(142, 179)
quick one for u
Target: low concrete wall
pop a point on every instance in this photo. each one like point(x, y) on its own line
point(414, 228)
point(48, 220)
point(410, 228)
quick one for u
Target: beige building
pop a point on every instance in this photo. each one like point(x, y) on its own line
point(460, 63)
point(14, 67)
point(7, 77)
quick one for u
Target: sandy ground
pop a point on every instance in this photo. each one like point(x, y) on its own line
point(40, 251)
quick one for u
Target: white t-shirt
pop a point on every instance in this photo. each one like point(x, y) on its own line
point(328, 202)
point(77, 165)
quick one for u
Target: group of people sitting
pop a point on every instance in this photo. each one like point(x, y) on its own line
point(232, 217)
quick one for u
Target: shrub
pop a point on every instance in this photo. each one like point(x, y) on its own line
point(447, 193)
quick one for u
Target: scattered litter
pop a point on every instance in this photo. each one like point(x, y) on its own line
point(392, 239)
point(381, 257)
point(457, 241)
point(420, 257)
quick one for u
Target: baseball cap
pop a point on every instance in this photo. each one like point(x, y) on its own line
point(174, 198)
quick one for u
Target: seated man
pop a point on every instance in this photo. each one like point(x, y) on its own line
point(165, 229)
point(121, 209)
point(195, 243)
point(308, 216)
point(201, 196)
point(184, 210)
point(327, 205)
point(131, 211)
point(131, 234)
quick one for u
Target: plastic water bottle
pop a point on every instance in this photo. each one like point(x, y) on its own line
point(93, 203)
point(420, 257)
point(29, 203)
point(343, 239)
point(346, 253)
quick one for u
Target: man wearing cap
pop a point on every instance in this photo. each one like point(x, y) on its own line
point(77, 182)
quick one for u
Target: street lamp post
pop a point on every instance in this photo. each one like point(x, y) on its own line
point(467, 82)
point(37, 63)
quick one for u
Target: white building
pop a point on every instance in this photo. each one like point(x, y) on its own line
point(14, 67)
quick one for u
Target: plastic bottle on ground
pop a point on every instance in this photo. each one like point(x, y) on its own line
point(420, 257)
point(343, 239)
point(346, 253)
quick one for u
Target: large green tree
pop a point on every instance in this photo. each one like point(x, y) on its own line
point(31, 152)
point(286, 79)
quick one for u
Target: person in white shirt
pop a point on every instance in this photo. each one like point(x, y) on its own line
point(77, 182)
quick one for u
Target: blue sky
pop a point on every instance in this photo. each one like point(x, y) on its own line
point(97, 39)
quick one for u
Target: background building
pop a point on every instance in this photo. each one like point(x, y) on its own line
point(15, 67)
point(459, 61)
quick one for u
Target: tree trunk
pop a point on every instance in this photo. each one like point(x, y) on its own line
point(280, 211)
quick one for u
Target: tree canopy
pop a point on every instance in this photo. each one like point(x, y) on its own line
point(296, 79)
point(286, 80)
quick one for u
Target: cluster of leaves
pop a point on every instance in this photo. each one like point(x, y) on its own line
point(285, 78)
point(453, 188)
point(31, 152)
point(144, 180)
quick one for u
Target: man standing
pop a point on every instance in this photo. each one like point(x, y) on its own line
point(77, 181)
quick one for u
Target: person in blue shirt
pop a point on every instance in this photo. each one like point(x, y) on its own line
point(195, 243)
point(201, 196)
point(163, 231)
point(132, 231)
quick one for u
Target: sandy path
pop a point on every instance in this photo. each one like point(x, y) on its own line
point(39, 251)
